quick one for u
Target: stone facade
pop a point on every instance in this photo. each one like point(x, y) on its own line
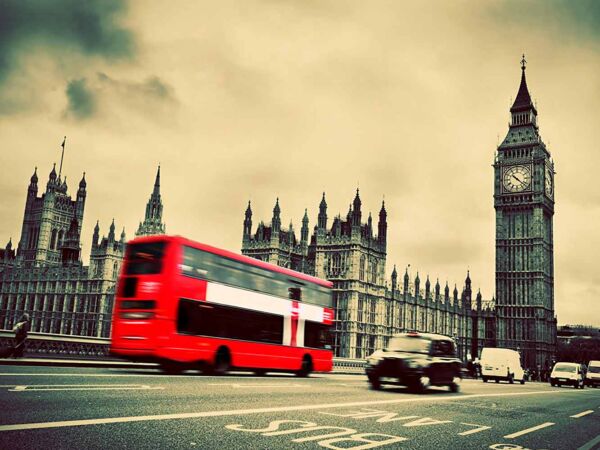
point(524, 203)
point(45, 276)
point(368, 309)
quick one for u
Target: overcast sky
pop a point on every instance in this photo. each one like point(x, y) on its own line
point(264, 99)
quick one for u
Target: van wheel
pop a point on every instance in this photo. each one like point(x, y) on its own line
point(497, 380)
point(511, 379)
point(523, 380)
point(485, 380)
point(306, 367)
point(222, 362)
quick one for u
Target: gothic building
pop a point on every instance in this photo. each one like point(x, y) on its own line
point(46, 278)
point(368, 309)
point(524, 203)
point(153, 220)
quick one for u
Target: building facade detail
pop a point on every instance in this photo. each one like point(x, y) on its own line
point(524, 204)
point(368, 308)
point(46, 278)
point(153, 223)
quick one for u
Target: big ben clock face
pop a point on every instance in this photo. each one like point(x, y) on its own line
point(517, 178)
point(549, 182)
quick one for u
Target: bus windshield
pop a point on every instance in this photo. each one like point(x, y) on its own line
point(144, 258)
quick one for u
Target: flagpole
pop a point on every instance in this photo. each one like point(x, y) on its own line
point(62, 156)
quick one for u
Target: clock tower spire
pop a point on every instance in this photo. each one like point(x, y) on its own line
point(524, 204)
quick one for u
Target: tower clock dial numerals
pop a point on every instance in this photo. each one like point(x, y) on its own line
point(517, 178)
point(548, 182)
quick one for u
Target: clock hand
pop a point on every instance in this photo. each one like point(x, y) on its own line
point(517, 179)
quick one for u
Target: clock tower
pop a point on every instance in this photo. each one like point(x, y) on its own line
point(524, 204)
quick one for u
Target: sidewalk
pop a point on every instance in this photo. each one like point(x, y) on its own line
point(72, 362)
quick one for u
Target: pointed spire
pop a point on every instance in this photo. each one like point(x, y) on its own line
point(111, 231)
point(34, 177)
point(53, 173)
point(9, 244)
point(123, 235)
point(276, 222)
point(249, 210)
point(157, 182)
point(523, 99)
point(82, 183)
point(394, 272)
point(322, 218)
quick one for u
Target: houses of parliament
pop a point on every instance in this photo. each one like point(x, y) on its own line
point(45, 275)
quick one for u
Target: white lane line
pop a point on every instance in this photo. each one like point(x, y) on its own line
point(75, 423)
point(83, 387)
point(242, 385)
point(475, 430)
point(529, 430)
point(581, 414)
point(591, 444)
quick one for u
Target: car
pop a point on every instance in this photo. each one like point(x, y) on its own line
point(592, 377)
point(567, 373)
point(501, 364)
point(416, 360)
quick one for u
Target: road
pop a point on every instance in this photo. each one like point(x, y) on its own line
point(76, 408)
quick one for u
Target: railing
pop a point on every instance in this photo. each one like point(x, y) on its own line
point(47, 344)
point(81, 347)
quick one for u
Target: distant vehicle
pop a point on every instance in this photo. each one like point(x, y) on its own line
point(592, 377)
point(184, 305)
point(571, 374)
point(416, 360)
point(501, 364)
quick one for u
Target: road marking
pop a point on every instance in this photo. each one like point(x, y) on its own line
point(475, 430)
point(83, 387)
point(242, 385)
point(126, 419)
point(581, 414)
point(590, 445)
point(528, 430)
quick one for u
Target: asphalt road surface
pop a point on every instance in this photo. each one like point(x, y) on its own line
point(79, 408)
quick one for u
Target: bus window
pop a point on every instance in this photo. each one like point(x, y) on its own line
point(144, 259)
point(317, 335)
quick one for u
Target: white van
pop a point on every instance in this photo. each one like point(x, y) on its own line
point(592, 378)
point(501, 364)
point(567, 373)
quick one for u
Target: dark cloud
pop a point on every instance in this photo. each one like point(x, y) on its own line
point(90, 27)
point(82, 101)
point(85, 96)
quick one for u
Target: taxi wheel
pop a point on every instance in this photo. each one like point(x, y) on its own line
point(454, 387)
point(511, 379)
point(523, 380)
point(420, 384)
point(375, 383)
point(497, 381)
point(485, 380)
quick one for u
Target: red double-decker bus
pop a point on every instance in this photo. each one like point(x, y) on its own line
point(184, 304)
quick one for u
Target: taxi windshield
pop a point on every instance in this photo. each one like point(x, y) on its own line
point(409, 344)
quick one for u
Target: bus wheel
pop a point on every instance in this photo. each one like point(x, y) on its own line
point(260, 372)
point(222, 362)
point(306, 367)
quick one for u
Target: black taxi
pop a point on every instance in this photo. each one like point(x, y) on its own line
point(416, 360)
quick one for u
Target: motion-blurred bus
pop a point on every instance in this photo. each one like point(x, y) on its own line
point(184, 304)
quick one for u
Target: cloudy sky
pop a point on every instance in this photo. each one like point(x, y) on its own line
point(264, 99)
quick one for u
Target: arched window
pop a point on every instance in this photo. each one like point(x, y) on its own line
point(53, 240)
point(336, 263)
point(361, 268)
point(374, 272)
point(115, 269)
point(59, 243)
